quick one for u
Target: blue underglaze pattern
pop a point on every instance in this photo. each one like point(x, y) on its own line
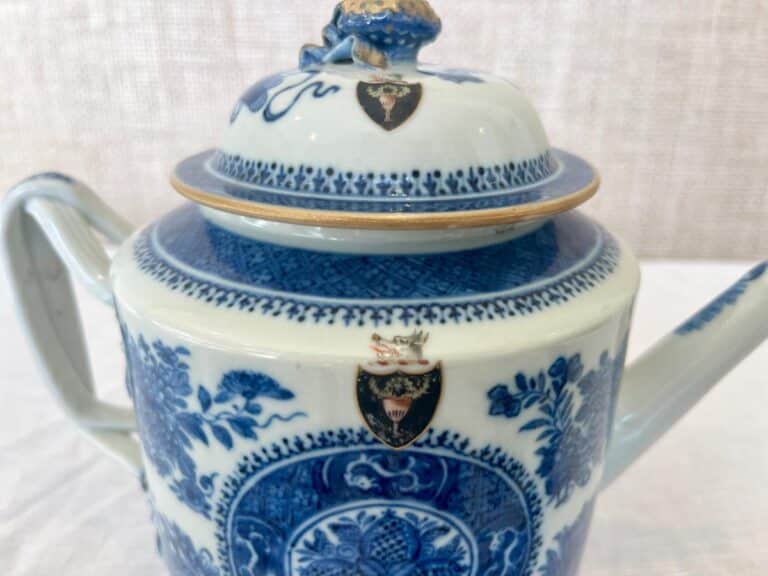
point(179, 553)
point(173, 415)
point(552, 265)
point(570, 410)
point(276, 105)
point(383, 540)
point(728, 298)
point(565, 559)
point(328, 181)
point(418, 191)
point(340, 503)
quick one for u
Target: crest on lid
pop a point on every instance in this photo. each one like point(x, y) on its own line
point(363, 136)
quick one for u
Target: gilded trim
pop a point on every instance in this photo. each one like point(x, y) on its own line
point(419, 8)
point(400, 221)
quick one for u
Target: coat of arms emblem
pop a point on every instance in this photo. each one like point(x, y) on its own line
point(389, 102)
point(398, 392)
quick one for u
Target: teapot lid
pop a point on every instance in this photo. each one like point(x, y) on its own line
point(362, 135)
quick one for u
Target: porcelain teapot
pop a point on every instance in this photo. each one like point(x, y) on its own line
point(378, 340)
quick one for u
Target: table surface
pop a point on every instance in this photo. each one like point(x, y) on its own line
point(690, 506)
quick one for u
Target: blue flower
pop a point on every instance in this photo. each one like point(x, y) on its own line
point(572, 441)
point(159, 383)
point(249, 385)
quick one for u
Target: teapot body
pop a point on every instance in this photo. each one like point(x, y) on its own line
point(381, 342)
point(308, 404)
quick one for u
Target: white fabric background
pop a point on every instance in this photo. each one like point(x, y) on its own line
point(668, 98)
point(695, 505)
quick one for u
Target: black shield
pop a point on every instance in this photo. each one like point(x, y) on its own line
point(389, 104)
point(399, 406)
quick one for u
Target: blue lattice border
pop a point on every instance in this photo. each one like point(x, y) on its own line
point(330, 181)
point(360, 438)
point(351, 313)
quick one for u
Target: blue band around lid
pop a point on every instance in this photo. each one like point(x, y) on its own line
point(567, 176)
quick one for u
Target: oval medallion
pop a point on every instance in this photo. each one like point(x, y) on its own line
point(340, 503)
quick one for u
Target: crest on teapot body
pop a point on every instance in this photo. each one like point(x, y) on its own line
point(398, 393)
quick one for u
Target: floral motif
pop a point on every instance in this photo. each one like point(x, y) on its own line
point(391, 542)
point(727, 298)
point(573, 432)
point(257, 97)
point(159, 383)
point(564, 561)
point(339, 503)
point(179, 552)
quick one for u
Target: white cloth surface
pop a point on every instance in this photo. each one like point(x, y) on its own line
point(667, 99)
point(695, 505)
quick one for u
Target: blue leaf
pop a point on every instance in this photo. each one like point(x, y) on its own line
point(534, 424)
point(192, 424)
point(223, 397)
point(544, 435)
point(522, 382)
point(222, 435)
point(530, 401)
point(243, 426)
point(253, 408)
point(205, 398)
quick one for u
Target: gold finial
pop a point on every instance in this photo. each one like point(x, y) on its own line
point(417, 8)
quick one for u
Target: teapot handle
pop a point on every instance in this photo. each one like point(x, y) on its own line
point(46, 224)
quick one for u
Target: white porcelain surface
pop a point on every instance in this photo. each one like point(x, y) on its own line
point(58, 487)
point(455, 126)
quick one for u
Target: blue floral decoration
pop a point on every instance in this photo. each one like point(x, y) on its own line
point(384, 544)
point(258, 99)
point(338, 502)
point(178, 551)
point(719, 304)
point(173, 415)
point(572, 417)
point(565, 559)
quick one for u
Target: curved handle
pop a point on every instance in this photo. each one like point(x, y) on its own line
point(666, 381)
point(46, 225)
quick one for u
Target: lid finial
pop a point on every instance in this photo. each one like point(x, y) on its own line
point(377, 33)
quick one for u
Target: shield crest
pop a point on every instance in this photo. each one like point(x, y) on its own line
point(398, 394)
point(389, 103)
point(398, 406)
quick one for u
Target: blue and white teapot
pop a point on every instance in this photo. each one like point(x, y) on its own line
point(378, 341)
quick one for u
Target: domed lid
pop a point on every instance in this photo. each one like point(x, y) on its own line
point(363, 136)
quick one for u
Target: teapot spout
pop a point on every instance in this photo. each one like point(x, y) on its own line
point(664, 383)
